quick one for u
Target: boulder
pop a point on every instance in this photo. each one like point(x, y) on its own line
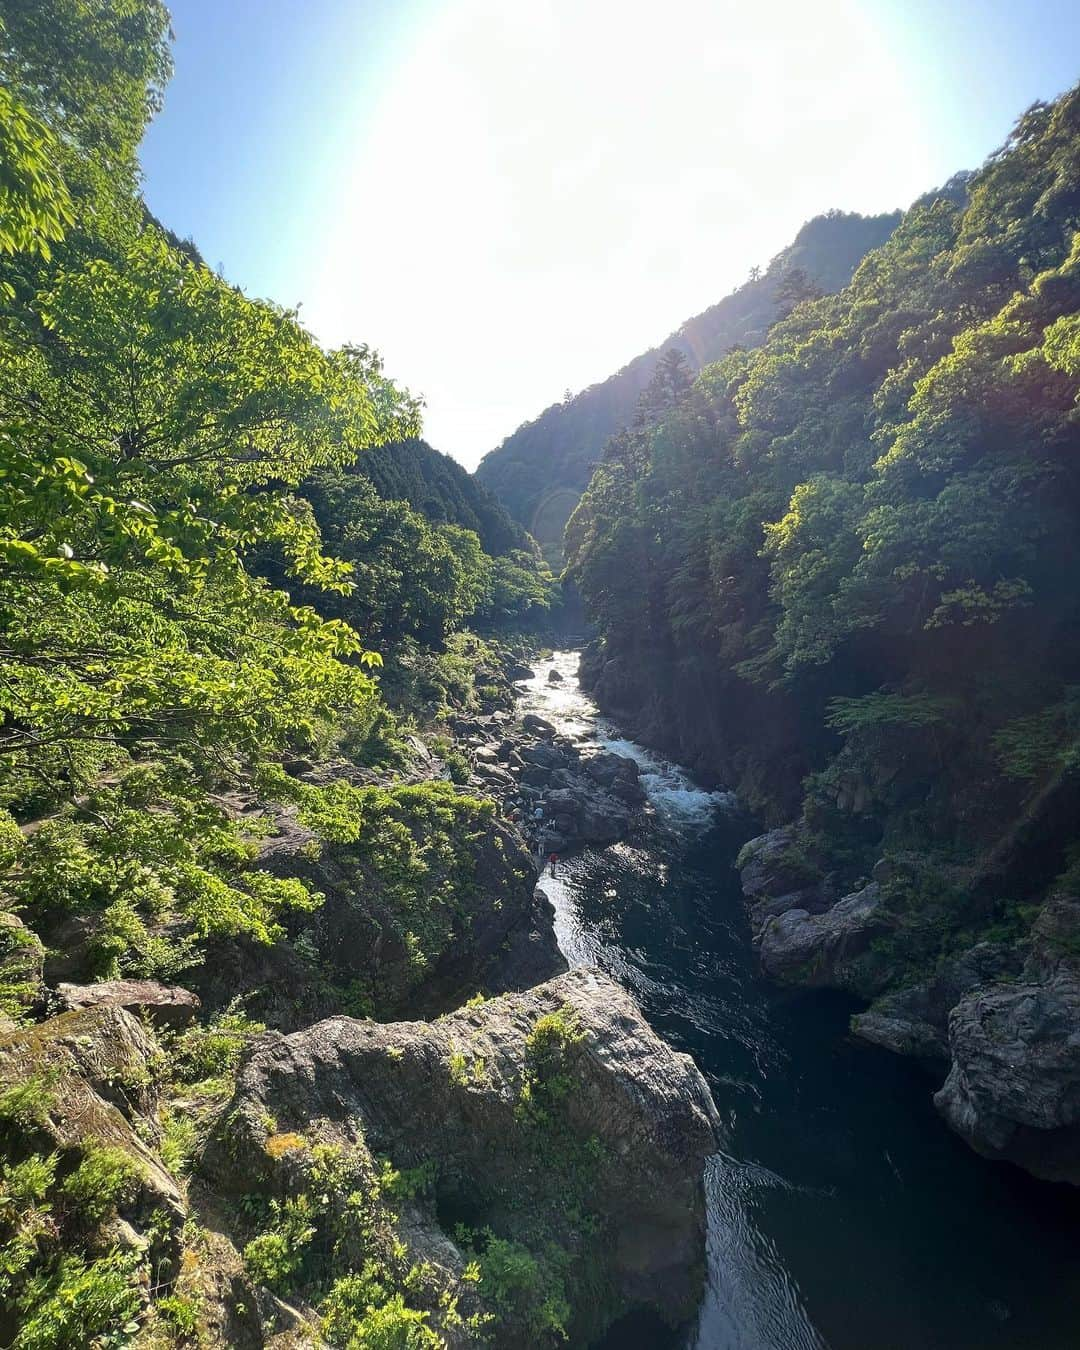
point(819, 950)
point(534, 776)
point(607, 768)
point(165, 1005)
point(1014, 1087)
point(604, 823)
point(774, 865)
point(814, 899)
point(545, 756)
point(554, 677)
point(549, 1102)
point(538, 726)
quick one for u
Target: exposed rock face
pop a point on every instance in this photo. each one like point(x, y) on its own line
point(99, 1064)
point(166, 1005)
point(1006, 1028)
point(1013, 1090)
point(624, 1137)
point(820, 950)
point(775, 877)
point(915, 1021)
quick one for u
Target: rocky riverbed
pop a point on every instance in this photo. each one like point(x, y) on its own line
point(561, 797)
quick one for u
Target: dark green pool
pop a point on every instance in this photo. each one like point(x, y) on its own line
point(844, 1214)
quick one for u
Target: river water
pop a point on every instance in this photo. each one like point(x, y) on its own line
point(843, 1214)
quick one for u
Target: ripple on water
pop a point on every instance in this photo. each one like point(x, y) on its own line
point(848, 1217)
point(672, 793)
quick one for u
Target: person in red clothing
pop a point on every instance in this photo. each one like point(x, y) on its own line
point(554, 862)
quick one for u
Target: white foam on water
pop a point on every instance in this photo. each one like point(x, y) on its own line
point(673, 794)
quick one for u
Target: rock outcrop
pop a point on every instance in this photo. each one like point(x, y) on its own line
point(96, 1073)
point(551, 1116)
point(823, 950)
point(481, 927)
point(165, 1005)
point(1013, 1089)
point(1001, 1019)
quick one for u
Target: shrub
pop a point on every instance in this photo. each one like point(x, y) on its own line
point(524, 1287)
point(78, 1304)
point(106, 1178)
point(387, 1326)
point(275, 1258)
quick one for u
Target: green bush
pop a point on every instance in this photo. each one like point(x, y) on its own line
point(78, 1304)
point(523, 1287)
point(106, 1178)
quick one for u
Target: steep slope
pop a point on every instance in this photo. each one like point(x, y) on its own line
point(841, 574)
point(439, 488)
point(540, 471)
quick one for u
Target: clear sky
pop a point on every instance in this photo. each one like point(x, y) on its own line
point(511, 198)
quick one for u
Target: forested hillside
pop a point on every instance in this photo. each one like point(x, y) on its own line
point(224, 813)
point(840, 574)
point(540, 471)
point(439, 488)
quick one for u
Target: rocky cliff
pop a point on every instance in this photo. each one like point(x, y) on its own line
point(521, 1171)
point(994, 1022)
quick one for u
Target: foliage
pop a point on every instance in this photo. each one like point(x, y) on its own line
point(104, 1179)
point(358, 1313)
point(79, 1303)
point(841, 572)
point(524, 1287)
point(542, 469)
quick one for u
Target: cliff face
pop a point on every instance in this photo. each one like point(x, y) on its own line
point(540, 471)
point(994, 1024)
point(554, 1120)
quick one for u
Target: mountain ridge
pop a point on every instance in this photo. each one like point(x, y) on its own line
point(540, 470)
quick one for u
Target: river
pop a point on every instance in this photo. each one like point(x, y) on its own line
point(843, 1214)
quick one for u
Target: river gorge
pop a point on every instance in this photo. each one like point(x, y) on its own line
point(839, 1175)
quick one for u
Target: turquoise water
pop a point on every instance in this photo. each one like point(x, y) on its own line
point(843, 1213)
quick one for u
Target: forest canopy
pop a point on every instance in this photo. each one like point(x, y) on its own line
point(840, 571)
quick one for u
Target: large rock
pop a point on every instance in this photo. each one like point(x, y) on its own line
point(528, 1134)
point(820, 950)
point(1013, 1090)
point(776, 876)
point(915, 1020)
point(101, 1068)
point(1014, 1087)
point(544, 756)
point(164, 1004)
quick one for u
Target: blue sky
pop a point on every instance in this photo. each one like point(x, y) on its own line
point(510, 199)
